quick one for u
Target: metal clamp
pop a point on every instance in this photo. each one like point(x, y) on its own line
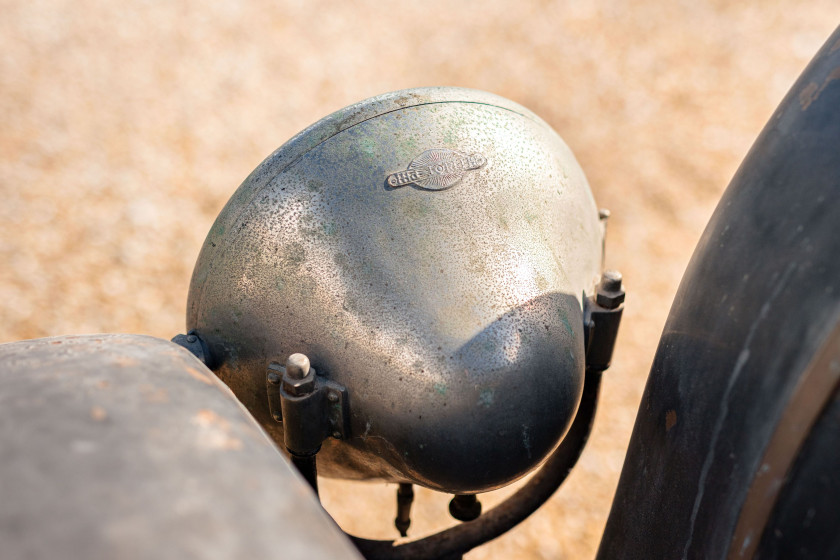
point(602, 316)
point(197, 346)
point(310, 407)
point(321, 394)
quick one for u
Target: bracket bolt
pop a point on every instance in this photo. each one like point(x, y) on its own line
point(611, 280)
point(332, 397)
point(297, 366)
point(299, 377)
point(610, 293)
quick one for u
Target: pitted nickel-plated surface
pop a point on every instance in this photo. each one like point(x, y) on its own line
point(452, 316)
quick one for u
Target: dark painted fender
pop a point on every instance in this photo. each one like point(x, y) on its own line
point(728, 456)
point(122, 446)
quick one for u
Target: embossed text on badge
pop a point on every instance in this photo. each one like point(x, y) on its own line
point(437, 169)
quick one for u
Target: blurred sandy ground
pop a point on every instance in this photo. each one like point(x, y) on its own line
point(127, 125)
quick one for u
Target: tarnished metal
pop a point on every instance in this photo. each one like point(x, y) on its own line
point(121, 446)
point(458, 540)
point(196, 346)
point(313, 409)
point(747, 363)
point(316, 407)
point(429, 250)
point(610, 293)
point(602, 317)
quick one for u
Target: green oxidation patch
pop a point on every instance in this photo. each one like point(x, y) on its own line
point(314, 185)
point(450, 136)
point(526, 440)
point(368, 147)
point(566, 323)
point(280, 283)
point(440, 388)
point(455, 126)
point(329, 228)
point(530, 217)
point(485, 399)
point(409, 144)
point(488, 345)
point(415, 207)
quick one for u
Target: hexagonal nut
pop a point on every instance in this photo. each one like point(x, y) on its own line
point(299, 387)
point(610, 293)
point(610, 299)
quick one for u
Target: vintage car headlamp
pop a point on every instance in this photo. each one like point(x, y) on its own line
point(433, 255)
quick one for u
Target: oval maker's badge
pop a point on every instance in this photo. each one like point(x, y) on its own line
point(436, 169)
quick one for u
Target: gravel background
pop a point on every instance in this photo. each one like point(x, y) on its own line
point(127, 125)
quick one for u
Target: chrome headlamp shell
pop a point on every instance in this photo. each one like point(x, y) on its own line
point(429, 250)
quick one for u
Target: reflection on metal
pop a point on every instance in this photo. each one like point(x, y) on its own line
point(452, 316)
point(121, 446)
point(458, 540)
